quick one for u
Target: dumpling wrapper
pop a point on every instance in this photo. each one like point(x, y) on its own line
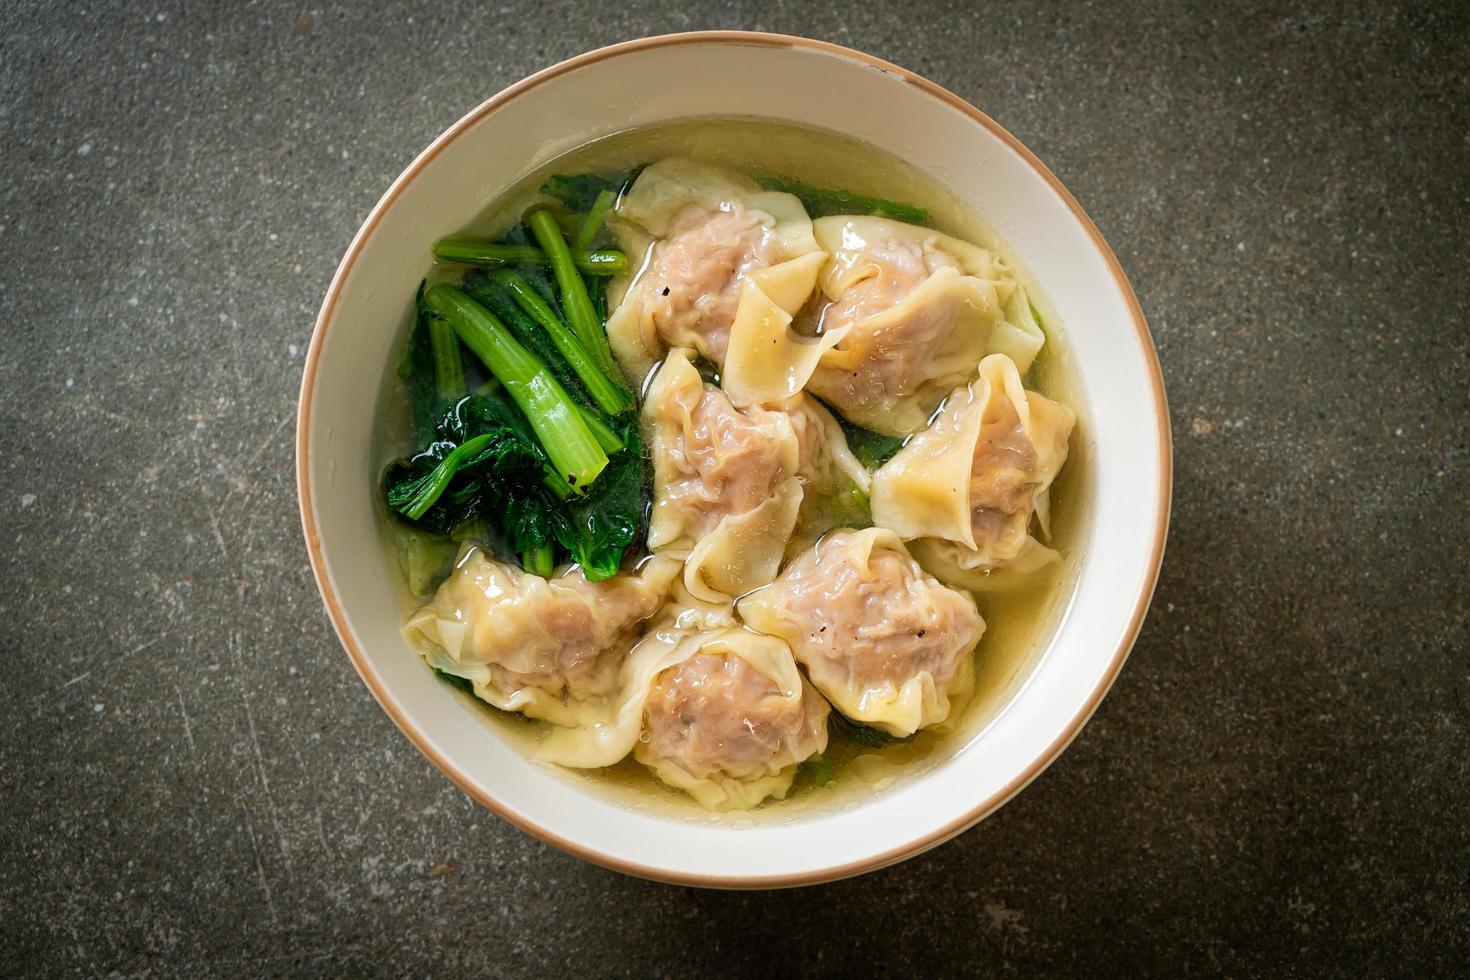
point(551, 648)
point(920, 309)
point(767, 362)
point(954, 565)
point(745, 752)
point(825, 461)
point(727, 489)
point(710, 230)
point(979, 472)
point(885, 642)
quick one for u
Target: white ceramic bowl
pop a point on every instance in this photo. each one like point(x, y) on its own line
point(793, 80)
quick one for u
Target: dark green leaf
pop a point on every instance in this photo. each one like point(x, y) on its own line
point(872, 449)
point(578, 191)
point(454, 680)
point(509, 469)
point(822, 201)
point(865, 735)
point(597, 528)
point(708, 370)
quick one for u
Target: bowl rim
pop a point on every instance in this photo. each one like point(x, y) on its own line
point(893, 855)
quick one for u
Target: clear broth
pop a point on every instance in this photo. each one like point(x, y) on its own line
point(1019, 624)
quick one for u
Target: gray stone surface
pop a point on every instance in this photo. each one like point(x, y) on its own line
point(192, 779)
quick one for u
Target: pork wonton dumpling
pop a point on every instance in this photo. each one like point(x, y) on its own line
point(730, 722)
point(884, 641)
point(712, 708)
point(978, 473)
point(548, 647)
point(726, 489)
point(711, 230)
point(917, 310)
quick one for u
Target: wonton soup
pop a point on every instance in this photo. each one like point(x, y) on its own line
point(730, 465)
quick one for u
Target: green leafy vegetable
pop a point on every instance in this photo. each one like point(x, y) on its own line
point(502, 475)
point(493, 411)
point(596, 529)
point(483, 287)
point(472, 251)
point(580, 192)
point(417, 368)
point(597, 292)
point(609, 395)
point(540, 560)
point(413, 498)
point(492, 290)
point(609, 440)
point(816, 770)
point(822, 201)
point(592, 224)
point(576, 304)
point(553, 415)
point(454, 680)
point(504, 484)
point(503, 459)
point(448, 365)
point(865, 735)
point(489, 409)
point(545, 457)
point(708, 370)
point(872, 449)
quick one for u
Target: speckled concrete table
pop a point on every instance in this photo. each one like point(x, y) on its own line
point(192, 779)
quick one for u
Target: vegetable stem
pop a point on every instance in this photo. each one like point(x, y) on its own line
point(538, 561)
point(592, 224)
point(438, 479)
point(609, 440)
point(575, 302)
point(469, 251)
point(556, 485)
point(554, 416)
point(610, 396)
point(448, 367)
